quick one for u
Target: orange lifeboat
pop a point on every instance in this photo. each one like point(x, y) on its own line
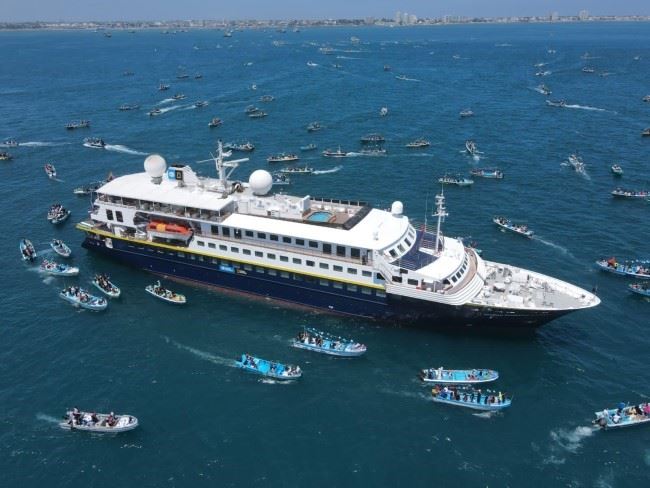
point(168, 230)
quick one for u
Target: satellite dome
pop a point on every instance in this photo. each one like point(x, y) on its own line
point(397, 208)
point(155, 166)
point(260, 182)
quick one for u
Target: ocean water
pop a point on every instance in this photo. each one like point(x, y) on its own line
point(346, 422)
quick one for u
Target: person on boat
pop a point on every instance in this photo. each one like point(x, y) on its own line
point(111, 420)
point(93, 417)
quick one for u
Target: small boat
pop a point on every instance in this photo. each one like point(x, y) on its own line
point(471, 147)
point(455, 180)
point(89, 188)
point(281, 179)
point(81, 124)
point(257, 115)
point(387, 67)
point(99, 423)
point(251, 109)
point(246, 147)
point(418, 143)
point(308, 147)
point(163, 87)
point(94, 142)
point(179, 96)
point(617, 170)
point(267, 98)
point(81, 298)
point(128, 73)
point(154, 112)
point(59, 247)
point(337, 65)
point(472, 398)
point(383, 111)
point(556, 103)
point(311, 64)
point(317, 341)
point(103, 283)
point(646, 98)
point(57, 269)
point(200, 103)
point(458, 376)
point(27, 251)
point(10, 143)
point(623, 416)
point(5, 156)
point(126, 107)
point(182, 76)
point(375, 151)
point(507, 224)
point(466, 113)
point(215, 122)
point(297, 170)
point(57, 213)
point(645, 132)
point(270, 369)
point(50, 170)
point(372, 139)
point(489, 173)
point(328, 153)
point(282, 158)
point(588, 69)
point(623, 193)
point(634, 269)
point(576, 163)
point(640, 289)
point(198, 76)
point(314, 127)
point(164, 294)
point(543, 89)
point(402, 77)
point(542, 73)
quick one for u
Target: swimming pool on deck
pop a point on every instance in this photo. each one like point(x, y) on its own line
point(320, 217)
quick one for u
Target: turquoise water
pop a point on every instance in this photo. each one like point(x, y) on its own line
point(320, 216)
point(346, 422)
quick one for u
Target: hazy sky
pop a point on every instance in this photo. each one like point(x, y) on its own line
point(20, 10)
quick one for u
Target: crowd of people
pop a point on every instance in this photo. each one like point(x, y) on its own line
point(470, 396)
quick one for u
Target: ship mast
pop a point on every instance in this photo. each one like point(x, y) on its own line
point(441, 213)
point(225, 168)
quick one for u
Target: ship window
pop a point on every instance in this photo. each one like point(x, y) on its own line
point(212, 245)
point(201, 258)
point(355, 253)
point(214, 261)
point(273, 237)
point(408, 243)
point(214, 229)
point(310, 263)
point(237, 233)
point(181, 254)
point(324, 266)
point(168, 252)
point(225, 231)
point(367, 274)
point(261, 235)
point(259, 254)
point(118, 216)
point(352, 287)
point(284, 259)
point(109, 214)
point(392, 253)
point(297, 261)
point(313, 244)
point(327, 248)
point(324, 282)
point(248, 267)
point(340, 251)
point(249, 233)
point(201, 243)
point(397, 279)
point(222, 247)
point(310, 279)
point(380, 293)
point(286, 240)
point(272, 272)
point(270, 255)
point(259, 270)
point(246, 251)
point(337, 284)
point(400, 247)
point(352, 271)
point(297, 277)
point(366, 291)
point(412, 282)
point(234, 249)
point(284, 274)
point(225, 262)
point(338, 268)
point(192, 257)
point(300, 242)
point(379, 277)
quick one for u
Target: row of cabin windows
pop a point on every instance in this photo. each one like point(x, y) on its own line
point(285, 259)
point(400, 248)
point(118, 215)
point(355, 253)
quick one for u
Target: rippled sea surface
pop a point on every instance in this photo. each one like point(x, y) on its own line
point(347, 422)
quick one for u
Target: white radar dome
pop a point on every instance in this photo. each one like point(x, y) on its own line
point(155, 165)
point(260, 182)
point(397, 208)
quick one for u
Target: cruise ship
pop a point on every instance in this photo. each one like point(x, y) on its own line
point(338, 256)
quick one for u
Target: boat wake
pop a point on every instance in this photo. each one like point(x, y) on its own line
point(271, 381)
point(168, 109)
point(346, 57)
point(42, 144)
point(166, 100)
point(586, 107)
point(571, 440)
point(124, 149)
point(562, 249)
point(407, 394)
point(486, 415)
point(406, 78)
point(327, 171)
point(47, 418)
point(206, 356)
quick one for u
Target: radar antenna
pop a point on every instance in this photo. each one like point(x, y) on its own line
point(441, 213)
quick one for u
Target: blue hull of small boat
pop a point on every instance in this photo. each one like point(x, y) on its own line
point(327, 350)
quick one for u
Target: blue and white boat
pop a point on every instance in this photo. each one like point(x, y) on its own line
point(270, 369)
point(490, 173)
point(57, 269)
point(60, 247)
point(27, 251)
point(471, 398)
point(623, 416)
point(633, 269)
point(104, 284)
point(159, 291)
point(99, 423)
point(81, 298)
point(642, 289)
point(308, 147)
point(458, 376)
point(317, 341)
point(507, 224)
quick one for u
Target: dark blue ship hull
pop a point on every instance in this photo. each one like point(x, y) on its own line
point(307, 291)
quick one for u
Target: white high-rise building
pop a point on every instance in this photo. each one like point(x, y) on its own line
point(413, 19)
point(583, 15)
point(405, 18)
point(398, 17)
point(554, 16)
